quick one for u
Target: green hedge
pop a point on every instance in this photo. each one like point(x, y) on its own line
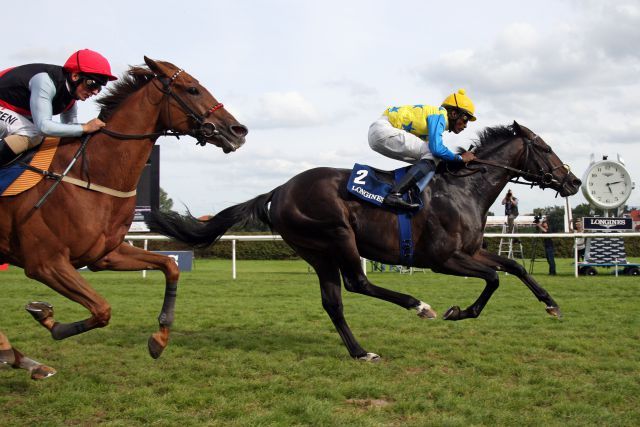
point(279, 250)
point(258, 250)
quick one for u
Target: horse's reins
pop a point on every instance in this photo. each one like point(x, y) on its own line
point(204, 131)
point(542, 179)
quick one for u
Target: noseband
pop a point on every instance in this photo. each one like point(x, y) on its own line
point(202, 132)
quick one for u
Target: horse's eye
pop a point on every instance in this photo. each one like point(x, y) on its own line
point(193, 90)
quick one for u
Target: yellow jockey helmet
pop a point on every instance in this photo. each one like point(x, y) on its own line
point(461, 100)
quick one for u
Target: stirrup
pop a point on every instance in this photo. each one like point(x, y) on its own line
point(395, 200)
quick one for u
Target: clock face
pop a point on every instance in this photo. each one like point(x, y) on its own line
point(607, 184)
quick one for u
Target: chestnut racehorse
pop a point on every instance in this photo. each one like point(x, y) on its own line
point(331, 229)
point(53, 233)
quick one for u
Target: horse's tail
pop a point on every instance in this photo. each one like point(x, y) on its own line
point(187, 229)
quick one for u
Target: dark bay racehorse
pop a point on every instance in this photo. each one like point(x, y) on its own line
point(331, 229)
point(75, 226)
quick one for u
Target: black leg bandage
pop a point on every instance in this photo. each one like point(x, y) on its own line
point(168, 306)
point(61, 331)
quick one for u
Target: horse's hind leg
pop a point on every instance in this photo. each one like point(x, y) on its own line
point(12, 357)
point(330, 290)
point(512, 267)
point(130, 258)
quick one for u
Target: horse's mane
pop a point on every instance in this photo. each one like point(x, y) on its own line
point(133, 80)
point(488, 137)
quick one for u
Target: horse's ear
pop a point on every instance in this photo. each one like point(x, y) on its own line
point(517, 129)
point(153, 65)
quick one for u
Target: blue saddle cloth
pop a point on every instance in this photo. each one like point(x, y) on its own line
point(10, 173)
point(365, 184)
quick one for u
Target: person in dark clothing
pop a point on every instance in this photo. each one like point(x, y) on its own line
point(510, 203)
point(549, 250)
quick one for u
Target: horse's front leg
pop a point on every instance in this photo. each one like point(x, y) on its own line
point(10, 356)
point(512, 267)
point(460, 264)
point(127, 257)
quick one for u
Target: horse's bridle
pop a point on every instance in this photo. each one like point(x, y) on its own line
point(542, 179)
point(202, 132)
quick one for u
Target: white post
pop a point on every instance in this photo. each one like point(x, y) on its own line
point(568, 216)
point(146, 245)
point(575, 256)
point(233, 259)
point(364, 265)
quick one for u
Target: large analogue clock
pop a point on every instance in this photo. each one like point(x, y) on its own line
point(607, 184)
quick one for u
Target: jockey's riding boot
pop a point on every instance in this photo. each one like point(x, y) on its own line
point(6, 153)
point(420, 174)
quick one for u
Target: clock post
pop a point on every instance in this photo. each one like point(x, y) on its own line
point(607, 185)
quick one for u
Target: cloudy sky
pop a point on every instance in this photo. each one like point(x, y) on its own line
point(307, 78)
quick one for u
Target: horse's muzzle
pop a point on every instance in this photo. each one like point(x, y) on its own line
point(571, 186)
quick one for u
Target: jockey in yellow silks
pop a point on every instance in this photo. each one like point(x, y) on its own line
point(413, 133)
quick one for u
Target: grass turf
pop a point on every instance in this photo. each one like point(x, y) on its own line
point(260, 350)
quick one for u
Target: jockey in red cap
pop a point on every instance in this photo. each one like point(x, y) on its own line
point(31, 94)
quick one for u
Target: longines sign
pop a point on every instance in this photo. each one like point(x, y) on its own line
point(600, 223)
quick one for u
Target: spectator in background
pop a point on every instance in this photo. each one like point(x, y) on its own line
point(510, 203)
point(543, 227)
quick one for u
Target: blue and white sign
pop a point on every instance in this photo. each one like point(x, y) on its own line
point(184, 259)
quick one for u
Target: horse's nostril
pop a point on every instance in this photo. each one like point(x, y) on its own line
point(239, 130)
point(577, 182)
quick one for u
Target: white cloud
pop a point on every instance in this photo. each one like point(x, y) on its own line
point(518, 38)
point(283, 109)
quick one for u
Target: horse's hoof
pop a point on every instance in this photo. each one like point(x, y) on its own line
point(426, 312)
point(155, 348)
point(453, 313)
point(41, 372)
point(39, 310)
point(554, 311)
point(370, 357)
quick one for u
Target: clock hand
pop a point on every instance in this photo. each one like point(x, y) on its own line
point(615, 182)
point(609, 187)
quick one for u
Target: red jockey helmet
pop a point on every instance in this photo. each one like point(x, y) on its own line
point(89, 62)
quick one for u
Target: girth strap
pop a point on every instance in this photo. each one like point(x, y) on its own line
point(99, 188)
point(404, 229)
